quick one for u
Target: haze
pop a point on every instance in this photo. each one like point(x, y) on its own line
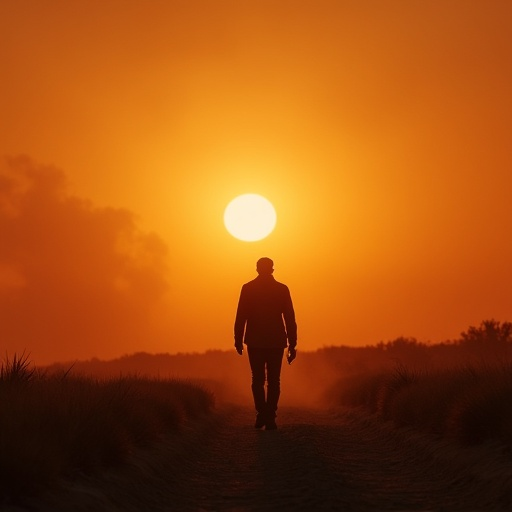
point(380, 131)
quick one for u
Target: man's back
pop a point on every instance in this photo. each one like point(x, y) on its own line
point(263, 304)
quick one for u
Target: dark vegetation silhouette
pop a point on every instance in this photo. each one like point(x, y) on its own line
point(17, 369)
point(309, 380)
point(459, 389)
point(54, 425)
point(69, 419)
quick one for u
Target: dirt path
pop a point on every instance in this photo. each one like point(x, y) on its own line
point(314, 461)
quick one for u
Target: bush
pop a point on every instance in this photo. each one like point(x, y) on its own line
point(483, 409)
point(470, 404)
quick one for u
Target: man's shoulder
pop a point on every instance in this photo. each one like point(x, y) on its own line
point(258, 282)
point(248, 285)
point(280, 285)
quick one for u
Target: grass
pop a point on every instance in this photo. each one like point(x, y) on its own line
point(16, 370)
point(470, 404)
point(54, 426)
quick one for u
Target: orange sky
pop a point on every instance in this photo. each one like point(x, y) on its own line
point(381, 132)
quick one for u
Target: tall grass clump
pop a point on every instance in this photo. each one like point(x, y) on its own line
point(483, 409)
point(54, 426)
point(16, 369)
point(470, 404)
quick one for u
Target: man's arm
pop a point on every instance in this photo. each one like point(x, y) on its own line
point(289, 321)
point(240, 321)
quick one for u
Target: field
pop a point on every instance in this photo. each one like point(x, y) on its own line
point(59, 425)
point(460, 390)
point(469, 404)
point(70, 422)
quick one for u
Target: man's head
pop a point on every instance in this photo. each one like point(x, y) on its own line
point(265, 266)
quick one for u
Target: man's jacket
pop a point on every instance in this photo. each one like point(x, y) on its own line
point(265, 315)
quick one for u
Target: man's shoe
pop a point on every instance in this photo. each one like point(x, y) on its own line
point(271, 424)
point(260, 421)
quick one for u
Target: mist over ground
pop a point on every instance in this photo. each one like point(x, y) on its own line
point(224, 373)
point(314, 379)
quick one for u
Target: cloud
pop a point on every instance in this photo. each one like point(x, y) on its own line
point(75, 280)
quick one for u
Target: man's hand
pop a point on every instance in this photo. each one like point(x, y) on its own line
point(292, 354)
point(239, 347)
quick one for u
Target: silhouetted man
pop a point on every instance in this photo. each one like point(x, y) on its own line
point(265, 322)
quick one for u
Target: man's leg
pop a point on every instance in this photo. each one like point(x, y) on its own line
point(257, 362)
point(274, 361)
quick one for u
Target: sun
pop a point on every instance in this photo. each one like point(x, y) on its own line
point(250, 217)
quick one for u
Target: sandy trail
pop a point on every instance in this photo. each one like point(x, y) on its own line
point(315, 461)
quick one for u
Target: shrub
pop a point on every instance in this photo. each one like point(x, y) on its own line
point(391, 386)
point(483, 410)
point(470, 404)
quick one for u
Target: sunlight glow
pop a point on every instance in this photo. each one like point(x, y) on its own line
point(250, 217)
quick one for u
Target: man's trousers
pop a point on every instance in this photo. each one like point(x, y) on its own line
point(266, 365)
